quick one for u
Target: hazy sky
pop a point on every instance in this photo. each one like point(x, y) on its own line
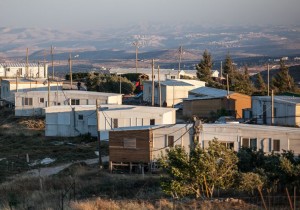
point(89, 14)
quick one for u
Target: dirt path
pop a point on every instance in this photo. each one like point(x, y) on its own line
point(48, 171)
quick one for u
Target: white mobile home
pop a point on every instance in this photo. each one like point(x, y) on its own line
point(10, 86)
point(137, 145)
point(32, 70)
point(77, 120)
point(31, 103)
point(286, 110)
point(172, 91)
point(164, 74)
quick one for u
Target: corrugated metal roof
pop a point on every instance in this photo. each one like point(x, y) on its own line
point(153, 127)
point(249, 127)
point(142, 70)
point(203, 98)
point(129, 109)
point(208, 91)
point(73, 92)
point(7, 65)
point(285, 99)
point(171, 83)
point(253, 127)
point(26, 80)
point(175, 83)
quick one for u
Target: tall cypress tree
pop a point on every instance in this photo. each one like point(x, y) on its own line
point(204, 67)
point(242, 82)
point(282, 81)
point(260, 84)
point(230, 69)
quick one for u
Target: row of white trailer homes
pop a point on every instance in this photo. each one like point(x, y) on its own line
point(132, 121)
point(73, 113)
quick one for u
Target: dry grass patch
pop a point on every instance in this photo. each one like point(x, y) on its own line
point(163, 204)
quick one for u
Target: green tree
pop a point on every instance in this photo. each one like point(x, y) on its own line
point(260, 84)
point(290, 169)
point(250, 181)
point(176, 164)
point(91, 81)
point(243, 83)
point(282, 81)
point(199, 172)
point(230, 69)
point(204, 67)
point(110, 84)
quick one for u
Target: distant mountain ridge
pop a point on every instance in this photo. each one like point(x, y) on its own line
point(157, 39)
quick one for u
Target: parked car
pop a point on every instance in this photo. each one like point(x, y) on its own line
point(179, 106)
point(226, 119)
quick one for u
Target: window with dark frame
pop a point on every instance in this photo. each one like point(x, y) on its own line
point(253, 144)
point(28, 101)
point(170, 141)
point(75, 102)
point(80, 117)
point(276, 145)
point(228, 145)
point(42, 100)
point(115, 123)
point(152, 121)
point(245, 142)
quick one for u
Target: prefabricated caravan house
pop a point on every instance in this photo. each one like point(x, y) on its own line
point(77, 120)
point(144, 145)
point(32, 103)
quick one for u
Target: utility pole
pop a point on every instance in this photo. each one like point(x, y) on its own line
point(137, 45)
point(227, 83)
point(38, 69)
point(120, 85)
point(27, 62)
point(17, 80)
point(45, 72)
point(71, 76)
point(152, 82)
point(159, 87)
point(48, 81)
point(52, 62)
point(180, 54)
point(27, 66)
point(268, 79)
point(173, 104)
point(56, 91)
point(221, 69)
point(98, 133)
point(272, 107)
